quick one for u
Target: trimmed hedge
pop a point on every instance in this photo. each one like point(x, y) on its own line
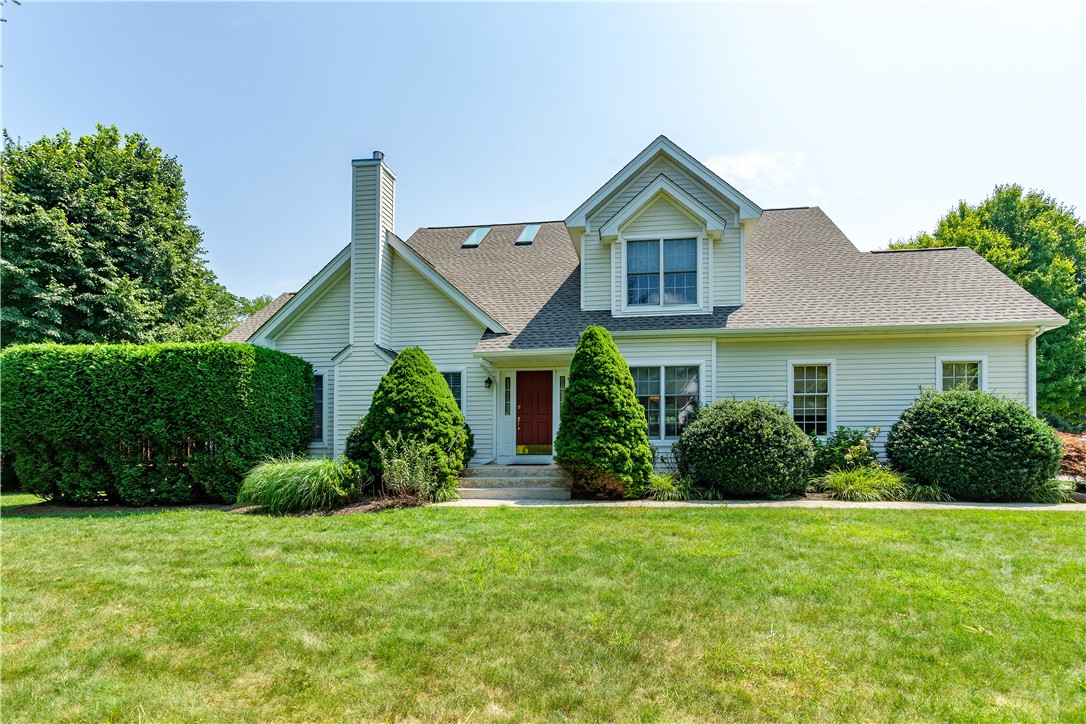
point(150, 424)
point(413, 399)
point(602, 436)
point(974, 446)
point(745, 449)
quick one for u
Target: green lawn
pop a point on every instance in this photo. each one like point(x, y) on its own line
point(548, 613)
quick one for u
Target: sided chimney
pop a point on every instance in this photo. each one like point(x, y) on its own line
point(373, 207)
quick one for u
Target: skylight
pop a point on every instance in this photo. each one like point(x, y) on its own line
point(528, 234)
point(476, 236)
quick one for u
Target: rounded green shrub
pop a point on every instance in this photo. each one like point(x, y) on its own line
point(974, 446)
point(602, 437)
point(745, 449)
point(413, 399)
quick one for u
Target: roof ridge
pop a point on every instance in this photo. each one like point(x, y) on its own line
point(491, 226)
point(926, 248)
point(791, 208)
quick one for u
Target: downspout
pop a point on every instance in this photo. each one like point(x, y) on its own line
point(1031, 368)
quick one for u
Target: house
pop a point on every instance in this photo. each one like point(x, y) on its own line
point(708, 296)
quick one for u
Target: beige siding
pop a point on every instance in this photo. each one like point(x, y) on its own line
point(603, 266)
point(387, 210)
point(358, 374)
point(875, 378)
point(662, 218)
point(679, 177)
point(319, 331)
point(424, 316)
point(728, 268)
point(596, 273)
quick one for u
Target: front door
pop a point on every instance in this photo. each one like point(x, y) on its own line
point(535, 420)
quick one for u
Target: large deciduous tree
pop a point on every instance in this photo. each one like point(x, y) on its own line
point(97, 245)
point(1040, 244)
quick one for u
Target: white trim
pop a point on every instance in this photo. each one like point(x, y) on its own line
point(323, 442)
point(700, 364)
point(580, 270)
point(419, 264)
point(981, 360)
point(662, 144)
point(831, 402)
point(712, 359)
point(638, 310)
point(312, 291)
point(663, 187)
point(742, 264)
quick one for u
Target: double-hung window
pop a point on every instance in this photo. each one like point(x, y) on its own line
point(811, 404)
point(456, 384)
point(661, 272)
point(960, 374)
point(669, 396)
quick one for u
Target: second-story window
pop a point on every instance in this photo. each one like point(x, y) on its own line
point(662, 272)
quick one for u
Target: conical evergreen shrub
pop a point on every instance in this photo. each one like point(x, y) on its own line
point(413, 399)
point(603, 439)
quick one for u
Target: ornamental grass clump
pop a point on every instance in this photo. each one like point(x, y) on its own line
point(866, 484)
point(300, 484)
point(602, 437)
point(413, 400)
point(750, 448)
point(974, 446)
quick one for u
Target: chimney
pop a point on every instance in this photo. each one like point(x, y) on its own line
point(373, 204)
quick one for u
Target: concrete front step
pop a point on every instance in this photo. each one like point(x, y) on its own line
point(514, 471)
point(486, 482)
point(536, 492)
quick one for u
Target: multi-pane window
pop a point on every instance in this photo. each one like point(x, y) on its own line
point(453, 379)
point(811, 398)
point(669, 396)
point(318, 409)
point(508, 395)
point(961, 374)
point(662, 272)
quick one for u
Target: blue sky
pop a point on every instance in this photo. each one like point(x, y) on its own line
point(883, 115)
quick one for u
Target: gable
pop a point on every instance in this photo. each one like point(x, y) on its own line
point(321, 329)
point(662, 157)
point(659, 217)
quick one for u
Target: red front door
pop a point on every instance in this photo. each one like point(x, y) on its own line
point(535, 421)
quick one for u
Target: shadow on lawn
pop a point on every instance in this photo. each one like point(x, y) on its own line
point(34, 507)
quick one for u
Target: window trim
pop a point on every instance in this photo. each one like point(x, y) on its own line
point(463, 372)
point(981, 359)
point(661, 308)
point(323, 441)
point(702, 398)
point(831, 401)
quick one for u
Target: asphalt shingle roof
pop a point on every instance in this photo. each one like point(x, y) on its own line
point(243, 331)
point(801, 272)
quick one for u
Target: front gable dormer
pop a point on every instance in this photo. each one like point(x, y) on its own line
point(664, 236)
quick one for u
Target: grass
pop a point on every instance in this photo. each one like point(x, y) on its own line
point(863, 484)
point(295, 484)
point(547, 613)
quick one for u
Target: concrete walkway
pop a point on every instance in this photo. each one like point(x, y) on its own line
point(904, 505)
